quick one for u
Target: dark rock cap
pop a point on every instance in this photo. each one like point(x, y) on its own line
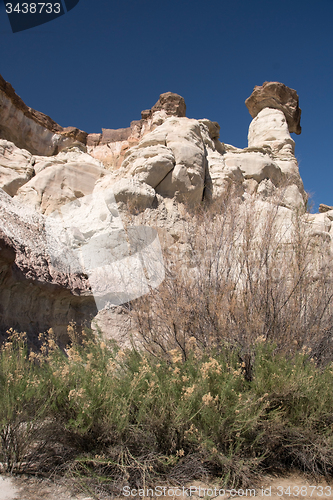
point(278, 96)
point(173, 104)
point(324, 208)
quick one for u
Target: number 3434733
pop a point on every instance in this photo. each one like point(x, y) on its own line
point(33, 8)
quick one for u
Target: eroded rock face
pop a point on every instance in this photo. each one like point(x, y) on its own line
point(183, 159)
point(276, 95)
point(269, 133)
point(171, 159)
point(30, 129)
point(150, 164)
point(269, 128)
point(111, 146)
point(59, 180)
point(132, 192)
point(16, 167)
point(34, 296)
point(154, 168)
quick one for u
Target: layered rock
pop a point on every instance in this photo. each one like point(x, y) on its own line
point(34, 296)
point(30, 129)
point(324, 208)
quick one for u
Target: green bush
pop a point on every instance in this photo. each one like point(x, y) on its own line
point(127, 417)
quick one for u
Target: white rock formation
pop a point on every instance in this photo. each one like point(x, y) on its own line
point(16, 167)
point(60, 179)
point(270, 128)
point(154, 169)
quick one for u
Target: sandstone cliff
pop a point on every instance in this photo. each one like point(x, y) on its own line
point(29, 129)
point(156, 168)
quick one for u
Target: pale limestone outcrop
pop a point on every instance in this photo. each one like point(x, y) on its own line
point(186, 180)
point(69, 175)
point(219, 177)
point(269, 128)
point(276, 95)
point(319, 223)
point(255, 165)
point(269, 133)
point(183, 159)
point(31, 130)
point(329, 213)
point(63, 268)
point(319, 226)
point(171, 159)
point(150, 164)
point(293, 197)
point(16, 167)
point(132, 193)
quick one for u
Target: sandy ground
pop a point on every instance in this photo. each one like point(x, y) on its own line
point(12, 488)
point(7, 489)
point(275, 488)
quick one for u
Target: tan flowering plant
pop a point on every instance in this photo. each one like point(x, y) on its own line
point(25, 402)
point(143, 416)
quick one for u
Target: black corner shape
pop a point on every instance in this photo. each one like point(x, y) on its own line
point(24, 14)
point(70, 4)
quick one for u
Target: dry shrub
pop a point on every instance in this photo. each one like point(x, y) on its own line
point(244, 271)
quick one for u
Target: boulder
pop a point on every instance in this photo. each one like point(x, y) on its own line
point(68, 176)
point(131, 193)
point(276, 95)
point(150, 164)
point(172, 104)
point(324, 208)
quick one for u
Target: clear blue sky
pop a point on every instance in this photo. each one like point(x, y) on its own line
point(103, 62)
